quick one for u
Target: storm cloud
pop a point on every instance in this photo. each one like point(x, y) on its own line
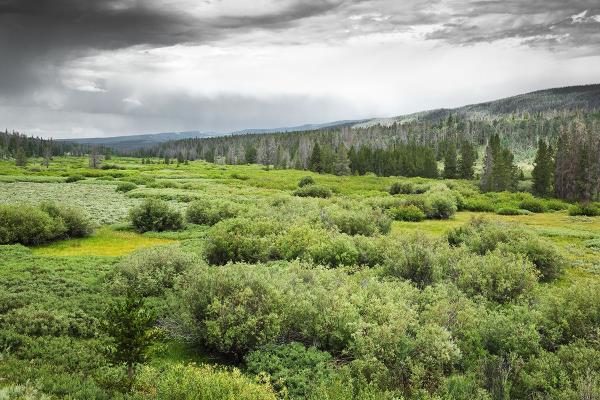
point(147, 65)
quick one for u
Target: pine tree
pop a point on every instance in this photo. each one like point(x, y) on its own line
point(430, 168)
point(450, 162)
point(20, 158)
point(314, 163)
point(129, 324)
point(250, 154)
point(342, 163)
point(499, 171)
point(468, 157)
point(542, 170)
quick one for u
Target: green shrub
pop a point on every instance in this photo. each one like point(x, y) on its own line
point(443, 205)
point(480, 204)
point(481, 236)
point(305, 181)
point(334, 251)
point(421, 202)
point(155, 215)
point(533, 205)
point(149, 272)
point(191, 382)
point(210, 212)
point(235, 310)
point(139, 179)
point(111, 166)
point(416, 259)
point(556, 205)
point(544, 255)
point(28, 225)
point(296, 241)
point(508, 211)
point(569, 312)
point(293, 369)
point(241, 239)
point(585, 209)
point(77, 224)
point(313, 191)
point(22, 392)
point(407, 213)
point(125, 187)
point(356, 221)
point(498, 276)
point(401, 188)
point(74, 178)
point(371, 250)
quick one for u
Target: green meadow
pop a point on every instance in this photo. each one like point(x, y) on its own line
point(261, 289)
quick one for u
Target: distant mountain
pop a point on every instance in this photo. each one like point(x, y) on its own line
point(585, 97)
point(300, 128)
point(139, 141)
point(132, 142)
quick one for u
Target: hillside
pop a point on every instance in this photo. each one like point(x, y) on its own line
point(585, 97)
point(138, 141)
point(131, 142)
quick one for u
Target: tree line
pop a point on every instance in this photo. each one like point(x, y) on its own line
point(21, 147)
point(571, 169)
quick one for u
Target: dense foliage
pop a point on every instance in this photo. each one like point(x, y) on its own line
point(36, 225)
point(155, 215)
point(386, 289)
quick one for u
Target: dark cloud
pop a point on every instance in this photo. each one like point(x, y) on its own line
point(551, 24)
point(37, 36)
point(43, 43)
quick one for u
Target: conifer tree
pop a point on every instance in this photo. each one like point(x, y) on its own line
point(468, 157)
point(251, 155)
point(450, 162)
point(499, 171)
point(314, 163)
point(20, 158)
point(542, 170)
point(129, 324)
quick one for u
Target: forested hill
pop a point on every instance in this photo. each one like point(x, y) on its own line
point(133, 142)
point(518, 121)
point(11, 143)
point(585, 97)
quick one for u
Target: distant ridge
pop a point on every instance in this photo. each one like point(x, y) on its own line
point(139, 141)
point(585, 97)
point(132, 142)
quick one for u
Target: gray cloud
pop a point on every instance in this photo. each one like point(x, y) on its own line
point(41, 40)
point(546, 24)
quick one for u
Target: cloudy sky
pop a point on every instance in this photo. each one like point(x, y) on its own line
point(85, 68)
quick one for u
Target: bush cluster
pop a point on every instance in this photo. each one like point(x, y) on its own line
point(206, 212)
point(409, 213)
point(191, 381)
point(401, 188)
point(74, 178)
point(313, 191)
point(125, 187)
point(585, 209)
point(155, 215)
point(150, 272)
point(305, 181)
point(36, 225)
point(481, 236)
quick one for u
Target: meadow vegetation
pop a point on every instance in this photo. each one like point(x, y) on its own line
point(198, 280)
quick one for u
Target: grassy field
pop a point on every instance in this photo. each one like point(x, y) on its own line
point(53, 296)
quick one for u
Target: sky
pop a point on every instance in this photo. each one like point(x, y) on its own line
point(94, 68)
